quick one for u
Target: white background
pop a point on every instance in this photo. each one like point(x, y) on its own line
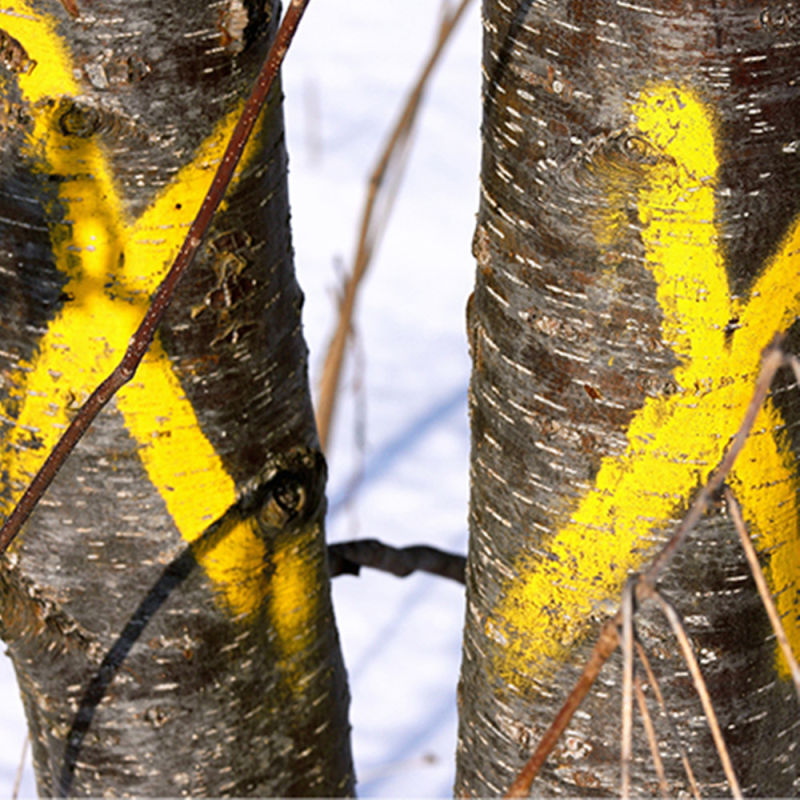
point(398, 459)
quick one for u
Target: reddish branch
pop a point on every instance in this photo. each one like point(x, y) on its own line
point(142, 338)
point(606, 644)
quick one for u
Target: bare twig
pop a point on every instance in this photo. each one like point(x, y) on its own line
point(605, 645)
point(346, 558)
point(627, 687)
point(142, 338)
point(378, 191)
point(21, 767)
point(763, 590)
point(608, 639)
point(771, 361)
point(653, 681)
point(702, 690)
point(652, 739)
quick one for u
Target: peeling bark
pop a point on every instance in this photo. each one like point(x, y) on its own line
point(167, 607)
point(636, 249)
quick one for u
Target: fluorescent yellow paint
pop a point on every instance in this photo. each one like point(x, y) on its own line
point(113, 264)
point(673, 441)
point(290, 607)
point(244, 577)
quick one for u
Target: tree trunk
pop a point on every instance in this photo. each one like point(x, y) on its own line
point(637, 248)
point(167, 607)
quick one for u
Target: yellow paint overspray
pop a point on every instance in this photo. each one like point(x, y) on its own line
point(673, 441)
point(113, 264)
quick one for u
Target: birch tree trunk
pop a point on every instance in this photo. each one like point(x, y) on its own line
point(167, 607)
point(637, 247)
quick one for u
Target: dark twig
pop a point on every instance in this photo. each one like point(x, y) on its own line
point(347, 558)
point(702, 690)
point(772, 359)
point(761, 584)
point(142, 338)
point(379, 191)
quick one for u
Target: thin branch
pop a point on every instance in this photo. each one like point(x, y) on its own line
point(772, 359)
point(652, 739)
point(702, 690)
point(346, 558)
point(653, 681)
point(21, 767)
point(142, 338)
point(626, 749)
point(758, 576)
point(378, 191)
point(604, 646)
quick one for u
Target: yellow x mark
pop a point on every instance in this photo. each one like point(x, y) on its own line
point(113, 264)
point(673, 441)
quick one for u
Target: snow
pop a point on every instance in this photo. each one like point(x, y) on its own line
point(398, 459)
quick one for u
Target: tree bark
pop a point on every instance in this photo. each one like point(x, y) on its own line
point(637, 248)
point(167, 606)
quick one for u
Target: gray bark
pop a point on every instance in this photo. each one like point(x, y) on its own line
point(172, 632)
point(636, 249)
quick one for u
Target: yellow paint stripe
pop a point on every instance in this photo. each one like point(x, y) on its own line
point(774, 300)
point(676, 209)
point(673, 442)
point(291, 608)
point(179, 460)
point(94, 246)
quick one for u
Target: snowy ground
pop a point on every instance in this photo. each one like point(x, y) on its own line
point(402, 423)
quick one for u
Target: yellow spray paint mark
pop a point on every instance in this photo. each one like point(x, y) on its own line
point(291, 612)
point(673, 441)
point(113, 264)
